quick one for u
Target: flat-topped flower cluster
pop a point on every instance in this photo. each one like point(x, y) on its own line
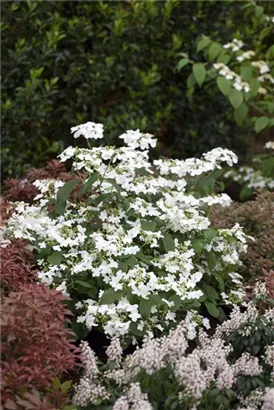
point(132, 245)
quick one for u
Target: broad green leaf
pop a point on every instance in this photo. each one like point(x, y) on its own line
point(267, 167)
point(212, 309)
point(55, 258)
point(168, 242)
point(246, 73)
point(83, 283)
point(199, 72)
point(210, 234)
point(198, 245)
point(202, 43)
point(144, 258)
point(191, 81)
point(182, 63)
point(56, 384)
point(64, 192)
point(211, 259)
point(88, 184)
point(148, 225)
point(240, 113)
point(132, 261)
point(254, 87)
point(223, 58)
point(145, 307)
point(236, 98)
point(220, 280)
point(224, 85)
point(176, 300)
point(211, 293)
point(110, 296)
point(261, 123)
point(214, 50)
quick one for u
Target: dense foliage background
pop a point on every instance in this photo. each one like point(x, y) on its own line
point(64, 63)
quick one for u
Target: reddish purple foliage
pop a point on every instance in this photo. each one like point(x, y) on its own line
point(22, 189)
point(17, 266)
point(36, 346)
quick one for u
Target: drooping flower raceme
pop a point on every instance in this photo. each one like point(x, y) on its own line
point(133, 246)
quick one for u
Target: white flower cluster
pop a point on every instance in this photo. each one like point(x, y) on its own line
point(252, 178)
point(238, 83)
point(129, 242)
point(235, 45)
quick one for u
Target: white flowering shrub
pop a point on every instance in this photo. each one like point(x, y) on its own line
point(133, 246)
point(242, 69)
point(232, 369)
point(259, 175)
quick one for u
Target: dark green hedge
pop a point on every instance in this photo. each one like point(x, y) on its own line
point(68, 62)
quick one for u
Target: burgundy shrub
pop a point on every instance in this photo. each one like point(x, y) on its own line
point(17, 266)
point(36, 345)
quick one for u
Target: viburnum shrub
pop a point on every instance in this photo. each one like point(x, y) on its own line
point(257, 176)
point(231, 369)
point(133, 246)
point(36, 345)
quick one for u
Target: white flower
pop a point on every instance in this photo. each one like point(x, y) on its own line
point(90, 130)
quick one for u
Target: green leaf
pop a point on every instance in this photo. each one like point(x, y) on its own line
point(56, 384)
point(148, 225)
point(176, 300)
point(246, 73)
point(168, 242)
point(55, 258)
point(145, 307)
point(210, 234)
point(241, 113)
point(224, 85)
point(236, 98)
point(144, 258)
point(211, 293)
point(66, 386)
point(64, 192)
point(110, 296)
point(211, 259)
point(220, 280)
point(245, 193)
point(182, 63)
point(88, 184)
point(212, 309)
point(261, 123)
point(254, 87)
point(198, 245)
point(214, 50)
point(199, 72)
point(191, 81)
point(202, 43)
point(83, 283)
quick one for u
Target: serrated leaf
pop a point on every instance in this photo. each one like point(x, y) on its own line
point(236, 98)
point(211, 293)
point(212, 309)
point(261, 123)
point(241, 113)
point(182, 63)
point(198, 245)
point(246, 73)
point(199, 72)
point(110, 296)
point(168, 242)
point(224, 85)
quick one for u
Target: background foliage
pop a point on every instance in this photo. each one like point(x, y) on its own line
point(64, 63)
